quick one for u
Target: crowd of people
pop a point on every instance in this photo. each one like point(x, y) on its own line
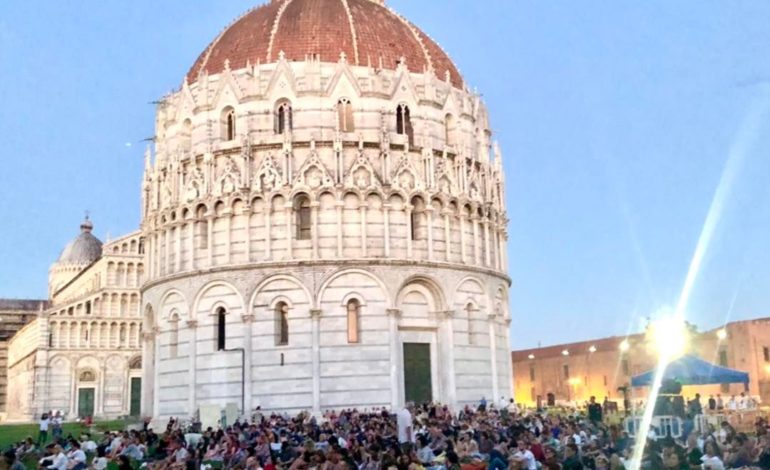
point(426, 437)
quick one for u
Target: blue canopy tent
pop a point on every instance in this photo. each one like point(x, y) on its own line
point(691, 370)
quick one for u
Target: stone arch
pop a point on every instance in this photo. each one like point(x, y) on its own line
point(60, 381)
point(173, 300)
point(258, 290)
point(433, 293)
point(342, 272)
point(465, 286)
point(232, 303)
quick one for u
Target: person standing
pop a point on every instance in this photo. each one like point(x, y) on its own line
point(42, 436)
point(404, 425)
point(594, 411)
point(56, 430)
point(712, 403)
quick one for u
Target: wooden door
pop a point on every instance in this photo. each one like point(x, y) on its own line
point(417, 373)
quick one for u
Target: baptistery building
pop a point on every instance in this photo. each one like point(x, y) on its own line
point(324, 222)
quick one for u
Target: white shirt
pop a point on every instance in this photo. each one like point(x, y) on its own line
point(89, 446)
point(527, 458)
point(44, 424)
point(404, 422)
point(100, 463)
point(712, 463)
point(59, 462)
point(78, 455)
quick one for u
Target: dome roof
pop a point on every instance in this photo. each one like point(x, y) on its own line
point(365, 30)
point(84, 249)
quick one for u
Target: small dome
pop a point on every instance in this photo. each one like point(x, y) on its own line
point(85, 249)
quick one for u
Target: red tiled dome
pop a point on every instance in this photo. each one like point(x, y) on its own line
point(365, 30)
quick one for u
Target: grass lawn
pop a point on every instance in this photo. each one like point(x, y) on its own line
point(10, 434)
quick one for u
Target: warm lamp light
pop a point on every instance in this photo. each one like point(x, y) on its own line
point(531, 356)
point(624, 346)
point(722, 334)
point(565, 353)
point(669, 336)
point(592, 349)
point(574, 381)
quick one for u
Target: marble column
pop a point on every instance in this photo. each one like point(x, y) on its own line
point(395, 358)
point(268, 237)
point(462, 239)
point(493, 357)
point(210, 244)
point(339, 205)
point(248, 321)
point(314, 227)
point(247, 233)
point(476, 248)
point(155, 385)
point(178, 247)
point(228, 221)
point(386, 214)
point(409, 231)
point(448, 362)
point(315, 315)
point(362, 209)
point(429, 219)
point(192, 349)
point(448, 234)
point(289, 215)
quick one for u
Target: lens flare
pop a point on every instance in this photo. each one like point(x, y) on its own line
point(738, 151)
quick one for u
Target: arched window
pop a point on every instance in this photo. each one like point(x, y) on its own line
point(449, 130)
point(345, 115)
point(228, 124)
point(221, 329)
point(203, 228)
point(173, 343)
point(283, 118)
point(416, 223)
point(404, 122)
point(282, 323)
point(354, 313)
point(303, 220)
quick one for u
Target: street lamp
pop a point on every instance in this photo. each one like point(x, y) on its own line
point(565, 352)
point(624, 346)
point(531, 356)
point(592, 349)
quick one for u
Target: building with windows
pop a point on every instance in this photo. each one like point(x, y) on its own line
point(576, 371)
point(324, 221)
point(79, 353)
point(14, 314)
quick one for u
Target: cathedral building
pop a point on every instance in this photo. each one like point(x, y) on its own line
point(81, 354)
point(324, 222)
point(323, 227)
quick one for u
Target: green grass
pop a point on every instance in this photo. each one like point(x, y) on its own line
point(10, 434)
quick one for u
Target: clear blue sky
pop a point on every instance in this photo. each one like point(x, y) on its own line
point(615, 118)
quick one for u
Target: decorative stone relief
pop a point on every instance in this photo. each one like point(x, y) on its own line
point(362, 174)
point(228, 181)
point(313, 173)
point(194, 187)
point(268, 177)
point(406, 176)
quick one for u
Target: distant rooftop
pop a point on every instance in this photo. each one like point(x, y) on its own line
point(23, 305)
